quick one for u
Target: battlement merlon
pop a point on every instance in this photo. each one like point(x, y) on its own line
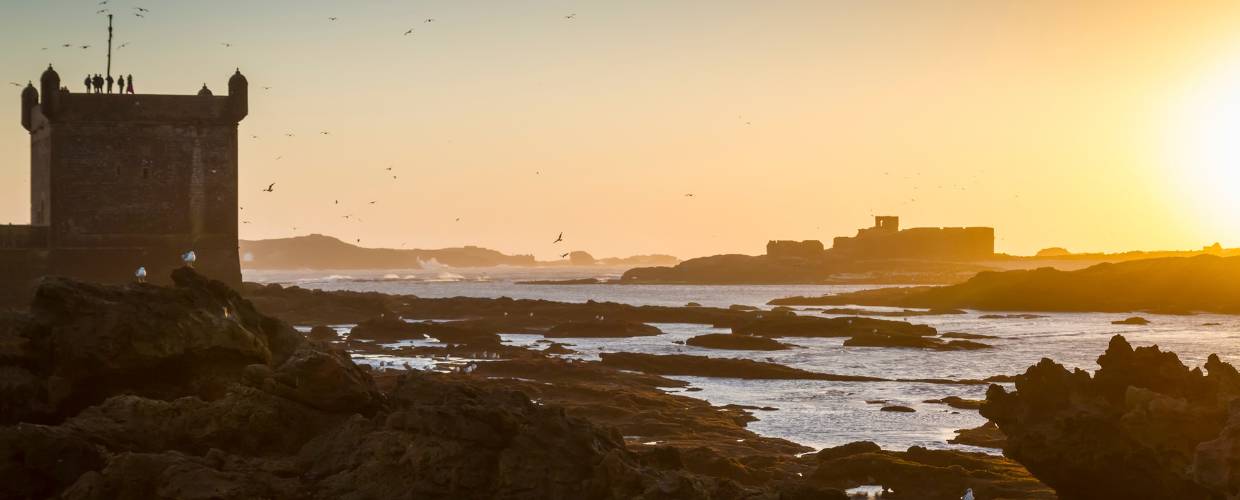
point(58, 105)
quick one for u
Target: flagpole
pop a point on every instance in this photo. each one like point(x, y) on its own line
point(109, 45)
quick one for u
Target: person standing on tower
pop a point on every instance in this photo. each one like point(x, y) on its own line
point(110, 81)
point(120, 84)
point(87, 84)
point(98, 81)
point(129, 82)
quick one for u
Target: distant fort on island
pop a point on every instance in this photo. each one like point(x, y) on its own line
point(885, 240)
point(120, 182)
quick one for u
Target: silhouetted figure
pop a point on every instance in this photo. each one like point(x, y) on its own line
point(88, 82)
point(129, 82)
point(120, 84)
point(98, 81)
point(110, 82)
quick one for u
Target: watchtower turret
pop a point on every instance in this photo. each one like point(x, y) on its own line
point(49, 87)
point(30, 99)
point(238, 96)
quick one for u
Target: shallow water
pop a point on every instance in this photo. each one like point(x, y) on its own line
point(815, 413)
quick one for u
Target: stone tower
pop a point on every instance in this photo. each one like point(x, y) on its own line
point(122, 181)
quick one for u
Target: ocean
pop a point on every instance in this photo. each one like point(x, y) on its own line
point(813, 413)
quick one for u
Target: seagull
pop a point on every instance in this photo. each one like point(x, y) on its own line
point(84, 47)
point(288, 134)
point(123, 45)
point(968, 494)
point(332, 18)
point(389, 169)
point(410, 32)
point(254, 137)
point(138, 14)
point(140, 274)
point(372, 203)
point(558, 238)
point(278, 157)
point(67, 45)
point(245, 222)
point(688, 195)
point(15, 84)
point(325, 132)
point(271, 188)
point(226, 44)
point(189, 258)
point(429, 20)
point(571, 16)
point(564, 255)
point(266, 88)
point(140, 9)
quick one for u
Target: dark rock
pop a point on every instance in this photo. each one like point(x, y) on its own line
point(323, 334)
point(1166, 422)
point(693, 304)
point(386, 328)
point(602, 328)
point(986, 436)
point(558, 348)
point(804, 326)
point(738, 342)
point(1135, 320)
point(847, 450)
point(958, 402)
point(928, 474)
point(897, 409)
point(740, 307)
point(702, 366)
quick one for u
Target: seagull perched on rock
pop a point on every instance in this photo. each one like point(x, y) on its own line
point(140, 274)
point(189, 258)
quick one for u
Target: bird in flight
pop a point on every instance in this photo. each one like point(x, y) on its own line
point(121, 46)
point(429, 20)
point(688, 195)
point(332, 18)
point(266, 88)
point(15, 84)
point(372, 203)
point(101, 11)
point(558, 238)
point(67, 45)
point(564, 255)
point(138, 14)
point(410, 32)
point(278, 157)
point(325, 132)
point(271, 188)
point(571, 16)
point(226, 44)
point(140, 9)
point(288, 134)
point(245, 222)
point(389, 169)
point(254, 137)
point(84, 47)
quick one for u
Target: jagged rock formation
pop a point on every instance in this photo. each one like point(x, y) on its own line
point(140, 391)
point(1143, 426)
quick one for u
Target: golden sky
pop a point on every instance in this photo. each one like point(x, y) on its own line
point(1099, 125)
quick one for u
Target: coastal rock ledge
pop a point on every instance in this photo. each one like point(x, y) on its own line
point(141, 391)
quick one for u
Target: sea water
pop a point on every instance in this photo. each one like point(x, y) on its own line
point(813, 413)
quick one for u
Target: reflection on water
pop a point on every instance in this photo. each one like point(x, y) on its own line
point(818, 413)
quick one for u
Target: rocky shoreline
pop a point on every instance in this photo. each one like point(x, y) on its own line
point(189, 391)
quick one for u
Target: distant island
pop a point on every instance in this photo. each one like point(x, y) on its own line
point(880, 254)
point(883, 254)
point(318, 251)
point(1169, 285)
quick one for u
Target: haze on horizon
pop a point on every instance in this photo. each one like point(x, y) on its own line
point(1100, 126)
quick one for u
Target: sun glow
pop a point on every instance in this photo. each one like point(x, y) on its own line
point(1205, 159)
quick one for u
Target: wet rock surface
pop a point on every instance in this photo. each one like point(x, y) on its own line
point(602, 329)
point(736, 342)
point(189, 392)
point(1142, 426)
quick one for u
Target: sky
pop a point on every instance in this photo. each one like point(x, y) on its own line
point(1095, 126)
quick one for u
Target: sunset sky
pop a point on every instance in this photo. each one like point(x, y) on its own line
point(1099, 125)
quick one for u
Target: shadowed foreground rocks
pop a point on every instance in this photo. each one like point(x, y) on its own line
point(189, 392)
point(1143, 426)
